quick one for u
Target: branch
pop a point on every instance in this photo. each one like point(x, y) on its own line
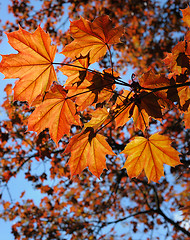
point(123, 219)
point(160, 212)
point(131, 215)
point(175, 224)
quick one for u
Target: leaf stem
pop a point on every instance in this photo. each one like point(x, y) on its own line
point(146, 127)
point(90, 90)
point(114, 116)
point(73, 65)
point(111, 62)
point(117, 80)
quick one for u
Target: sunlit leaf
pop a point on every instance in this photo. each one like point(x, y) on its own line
point(32, 65)
point(88, 150)
point(56, 112)
point(76, 72)
point(150, 154)
point(92, 37)
point(186, 15)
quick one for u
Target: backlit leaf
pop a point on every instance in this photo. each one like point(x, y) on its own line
point(140, 109)
point(99, 116)
point(88, 150)
point(92, 37)
point(56, 113)
point(187, 118)
point(76, 72)
point(186, 15)
point(179, 60)
point(152, 81)
point(96, 89)
point(32, 65)
point(184, 94)
point(150, 154)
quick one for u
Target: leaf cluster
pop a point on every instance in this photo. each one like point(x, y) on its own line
point(87, 117)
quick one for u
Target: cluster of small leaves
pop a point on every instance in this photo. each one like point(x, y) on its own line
point(58, 107)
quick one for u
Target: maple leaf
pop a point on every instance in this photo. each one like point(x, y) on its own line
point(152, 81)
point(187, 115)
point(99, 116)
point(184, 94)
point(149, 102)
point(32, 65)
point(150, 154)
point(140, 116)
point(84, 97)
point(187, 119)
point(92, 37)
point(122, 108)
point(186, 15)
point(145, 105)
point(88, 150)
point(97, 88)
point(178, 60)
point(56, 113)
point(76, 72)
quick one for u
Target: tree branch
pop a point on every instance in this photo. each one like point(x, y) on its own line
point(175, 224)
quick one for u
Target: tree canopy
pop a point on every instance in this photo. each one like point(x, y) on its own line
point(107, 153)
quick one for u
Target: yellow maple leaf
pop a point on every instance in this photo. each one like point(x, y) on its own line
point(186, 15)
point(99, 116)
point(150, 154)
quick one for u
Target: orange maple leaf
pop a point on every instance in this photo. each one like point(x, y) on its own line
point(76, 72)
point(92, 37)
point(184, 94)
point(56, 112)
point(139, 109)
point(178, 60)
point(152, 81)
point(186, 15)
point(150, 154)
point(140, 116)
point(83, 96)
point(187, 118)
point(97, 88)
point(99, 116)
point(88, 150)
point(179, 63)
point(32, 65)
